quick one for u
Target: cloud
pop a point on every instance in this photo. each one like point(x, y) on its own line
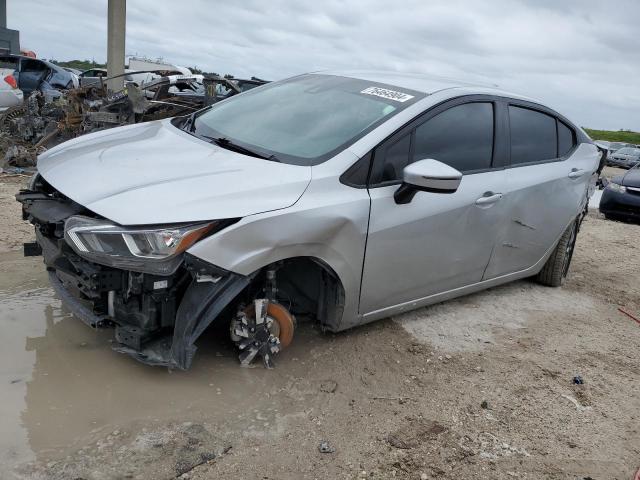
point(579, 56)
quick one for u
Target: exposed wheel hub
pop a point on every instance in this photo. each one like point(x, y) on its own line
point(262, 329)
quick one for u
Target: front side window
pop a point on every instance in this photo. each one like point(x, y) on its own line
point(533, 136)
point(304, 120)
point(461, 137)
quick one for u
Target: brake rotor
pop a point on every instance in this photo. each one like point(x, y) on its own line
point(263, 328)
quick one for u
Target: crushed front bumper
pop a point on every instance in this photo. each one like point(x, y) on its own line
point(157, 319)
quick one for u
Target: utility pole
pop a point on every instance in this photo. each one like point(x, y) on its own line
point(116, 30)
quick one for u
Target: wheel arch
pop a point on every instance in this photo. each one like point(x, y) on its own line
point(307, 285)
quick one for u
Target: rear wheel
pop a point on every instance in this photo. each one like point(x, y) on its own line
point(555, 270)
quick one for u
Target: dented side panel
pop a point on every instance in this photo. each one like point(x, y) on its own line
point(541, 200)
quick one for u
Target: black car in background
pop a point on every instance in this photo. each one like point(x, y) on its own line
point(621, 197)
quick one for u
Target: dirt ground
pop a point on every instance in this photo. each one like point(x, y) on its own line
point(478, 387)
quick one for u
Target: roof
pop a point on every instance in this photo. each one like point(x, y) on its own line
point(421, 82)
point(24, 57)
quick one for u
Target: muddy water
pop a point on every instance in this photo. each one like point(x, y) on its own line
point(61, 384)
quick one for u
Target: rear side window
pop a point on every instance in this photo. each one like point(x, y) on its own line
point(566, 139)
point(533, 136)
point(461, 137)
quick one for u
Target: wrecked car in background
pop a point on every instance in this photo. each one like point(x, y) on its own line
point(33, 74)
point(351, 198)
point(625, 157)
point(42, 122)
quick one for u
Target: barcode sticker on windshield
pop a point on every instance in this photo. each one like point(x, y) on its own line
point(389, 94)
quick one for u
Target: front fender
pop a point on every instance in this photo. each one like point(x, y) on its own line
point(329, 223)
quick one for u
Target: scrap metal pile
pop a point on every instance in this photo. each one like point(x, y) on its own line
point(42, 122)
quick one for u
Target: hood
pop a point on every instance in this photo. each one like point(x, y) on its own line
point(630, 179)
point(154, 173)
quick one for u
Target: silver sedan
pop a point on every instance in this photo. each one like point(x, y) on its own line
point(342, 196)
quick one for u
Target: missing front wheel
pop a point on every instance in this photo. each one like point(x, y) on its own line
point(262, 329)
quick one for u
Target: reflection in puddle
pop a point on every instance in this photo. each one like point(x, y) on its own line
point(60, 382)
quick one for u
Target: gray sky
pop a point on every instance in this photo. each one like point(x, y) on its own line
point(581, 57)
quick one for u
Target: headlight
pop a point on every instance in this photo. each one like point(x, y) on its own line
point(142, 249)
point(617, 188)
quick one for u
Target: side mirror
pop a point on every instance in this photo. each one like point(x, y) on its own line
point(427, 176)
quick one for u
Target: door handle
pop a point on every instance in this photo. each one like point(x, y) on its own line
point(575, 173)
point(489, 198)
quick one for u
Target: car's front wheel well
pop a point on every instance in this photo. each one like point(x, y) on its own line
point(307, 286)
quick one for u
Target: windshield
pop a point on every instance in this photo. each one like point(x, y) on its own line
point(303, 120)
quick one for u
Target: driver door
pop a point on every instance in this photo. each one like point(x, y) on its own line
point(437, 242)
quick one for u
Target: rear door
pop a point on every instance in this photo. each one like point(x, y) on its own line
point(546, 184)
point(437, 242)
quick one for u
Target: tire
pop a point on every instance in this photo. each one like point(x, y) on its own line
point(555, 270)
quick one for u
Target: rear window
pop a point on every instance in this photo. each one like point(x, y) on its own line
point(533, 136)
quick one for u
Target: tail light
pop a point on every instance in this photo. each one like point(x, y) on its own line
point(10, 79)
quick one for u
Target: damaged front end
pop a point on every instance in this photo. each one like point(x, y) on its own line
point(140, 279)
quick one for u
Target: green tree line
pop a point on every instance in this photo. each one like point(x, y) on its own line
point(625, 136)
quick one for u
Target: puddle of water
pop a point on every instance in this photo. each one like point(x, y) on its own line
point(60, 382)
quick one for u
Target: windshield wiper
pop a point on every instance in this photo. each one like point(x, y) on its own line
point(224, 142)
point(188, 125)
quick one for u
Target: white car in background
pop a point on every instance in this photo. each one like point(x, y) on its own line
point(10, 94)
